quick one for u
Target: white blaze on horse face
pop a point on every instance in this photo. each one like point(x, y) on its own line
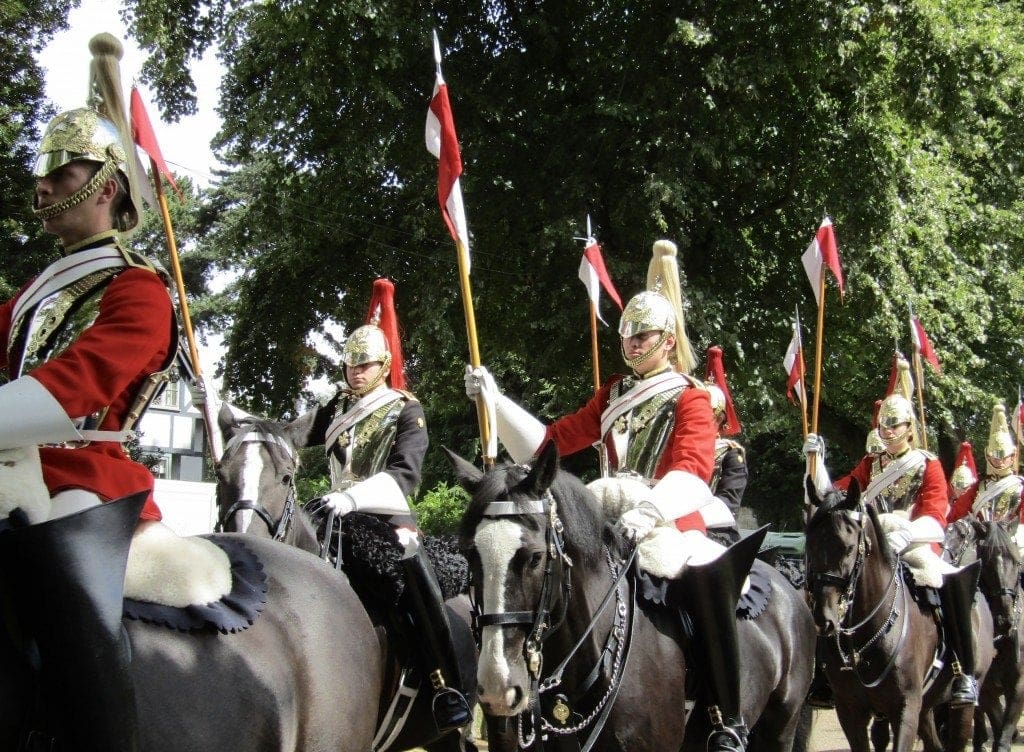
point(496, 542)
point(252, 471)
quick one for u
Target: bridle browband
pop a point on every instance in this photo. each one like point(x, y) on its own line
point(541, 626)
point(278, 529)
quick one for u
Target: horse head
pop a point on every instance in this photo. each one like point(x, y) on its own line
point(841, 533)
point(525, 532)
point(960, 546)
point(1000, 575)
point(256, 474)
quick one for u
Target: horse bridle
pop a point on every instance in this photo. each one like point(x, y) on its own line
point(541, 627)
point(849, 586)
point(539, 620)
point(278, 529)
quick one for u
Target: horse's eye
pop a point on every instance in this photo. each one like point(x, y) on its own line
point(535, 559)
point(286, 480)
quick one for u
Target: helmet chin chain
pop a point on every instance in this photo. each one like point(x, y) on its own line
point(634, 362)
point(106, 172)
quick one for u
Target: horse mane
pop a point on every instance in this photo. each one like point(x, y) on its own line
point(582, 521)
point(998, 539)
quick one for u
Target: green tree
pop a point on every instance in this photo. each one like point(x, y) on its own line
point(25, 28)
point(726, 126)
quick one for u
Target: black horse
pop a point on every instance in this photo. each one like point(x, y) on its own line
point(567, 650)
point(1002, 694)
point(881, 641)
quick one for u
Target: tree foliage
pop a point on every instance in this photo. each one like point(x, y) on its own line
point(25, 28)
point(727, 126)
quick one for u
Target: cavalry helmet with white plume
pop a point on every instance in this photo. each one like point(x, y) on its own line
point(1000, 441)
point(659, 308)
point(96, 133)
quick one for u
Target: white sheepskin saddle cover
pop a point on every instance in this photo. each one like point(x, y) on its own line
point(666, 551)
point(21, 484)
point(926, 567)
point(163, 567)
point(172, 570)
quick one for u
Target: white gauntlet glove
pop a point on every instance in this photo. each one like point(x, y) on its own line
point(477, 380)
point(899, 540)
point(814, 444)
point(340, 501)
point(637, 523)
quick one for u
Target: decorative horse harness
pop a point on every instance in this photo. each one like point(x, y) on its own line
point(278, 528)
point(542, 622)
point(853, 654)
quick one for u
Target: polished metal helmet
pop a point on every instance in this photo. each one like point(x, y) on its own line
point(962, 479)
point(717, 399)
point(647, 311)
point(1000, 441)
point(366, 344)
point(98, 133)
point(895, 409)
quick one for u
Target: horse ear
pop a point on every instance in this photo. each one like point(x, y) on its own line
point(852, 495)
point(300, 430)
point(544, 470)
point(226, 417)
point(811, 491)
point(468, 474)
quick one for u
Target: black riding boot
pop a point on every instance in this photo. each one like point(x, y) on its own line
point(714, 589)
point(819, 695)
point(426, 606)
point(957, 598)
point(65, 579)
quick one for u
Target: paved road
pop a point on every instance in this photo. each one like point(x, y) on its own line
point(827, 736)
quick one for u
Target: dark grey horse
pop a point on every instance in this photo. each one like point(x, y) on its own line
point(256, 493)
point(881, 641)
point(305, 677)
point(541, 571)
point(1002, 694)
point(256, 481)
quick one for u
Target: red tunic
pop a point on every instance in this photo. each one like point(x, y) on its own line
point(129, 340)
point(690, 448)
point(930, 500)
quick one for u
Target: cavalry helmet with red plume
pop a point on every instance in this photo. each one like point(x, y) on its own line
point(379, 339)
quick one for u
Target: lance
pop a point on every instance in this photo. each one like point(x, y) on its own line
point(800, 369)
point(920, 380)
point(209, 418)
point(467, 300)
point(1017, 428)
point(599, 445)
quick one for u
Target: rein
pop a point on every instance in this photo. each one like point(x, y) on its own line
point(542, 627)
point(278, 529)
point(853, 656)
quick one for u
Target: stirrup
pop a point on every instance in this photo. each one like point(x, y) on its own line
point(726, 738)
point(450, 709)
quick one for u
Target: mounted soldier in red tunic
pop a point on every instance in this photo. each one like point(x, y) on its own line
point(659, 431)
point(997, 495)
point(910, 482)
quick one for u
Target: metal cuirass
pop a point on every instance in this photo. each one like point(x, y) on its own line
point(363, 450)
point(641, 435)
point(899, 495)
point(1005, 507)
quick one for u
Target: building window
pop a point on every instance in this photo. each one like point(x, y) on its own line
point(168, 397)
